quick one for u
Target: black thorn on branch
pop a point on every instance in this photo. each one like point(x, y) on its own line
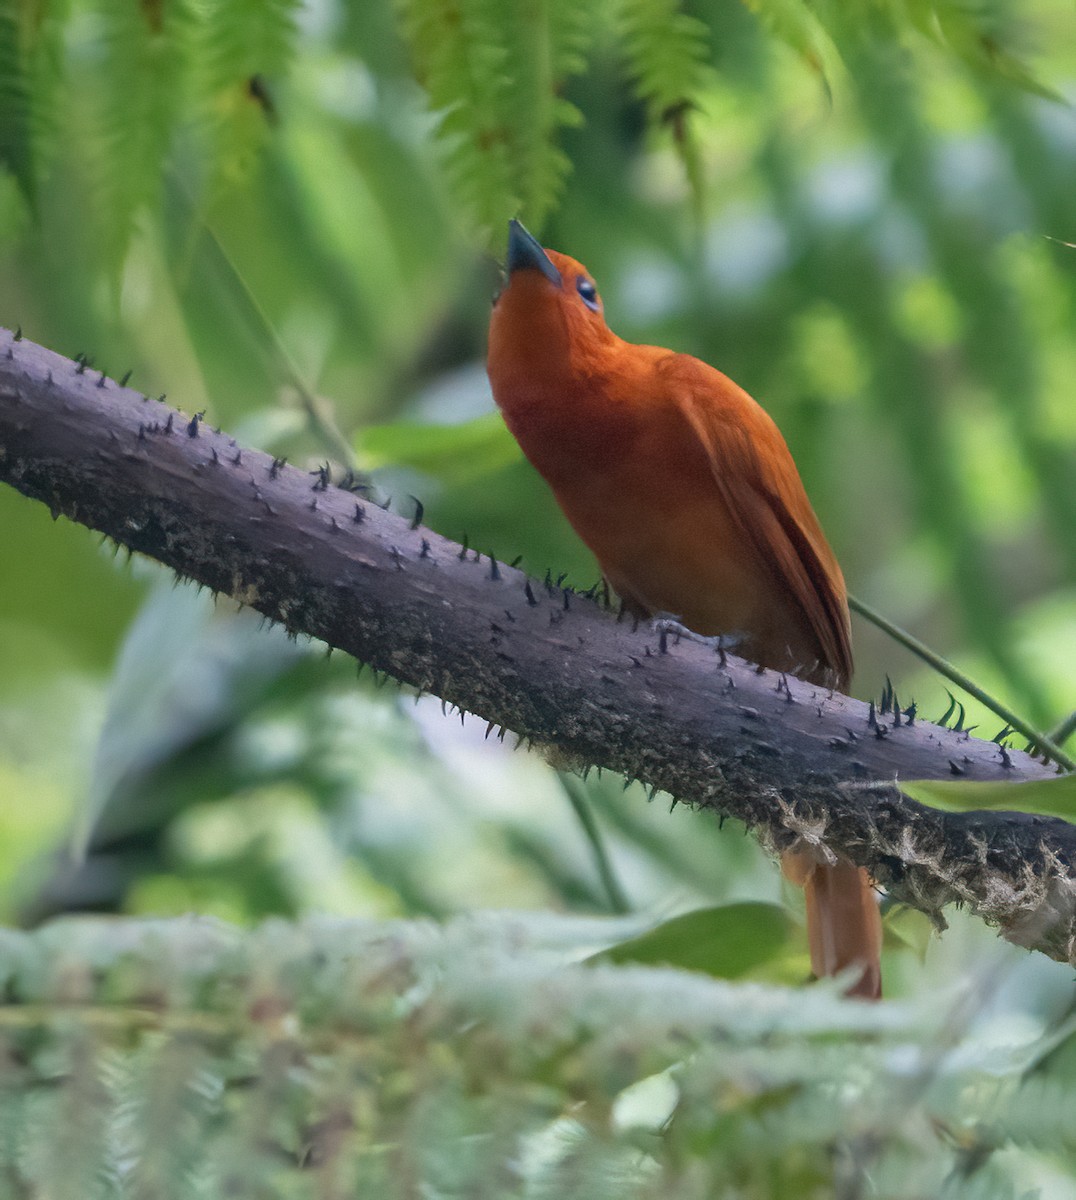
point(718, 739)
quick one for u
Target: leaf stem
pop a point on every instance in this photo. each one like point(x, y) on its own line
point(1064, 729)
point(576, 792)
point(1046, 743)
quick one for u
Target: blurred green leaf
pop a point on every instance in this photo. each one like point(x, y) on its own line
point(474, 481)
point(181, 677)
point(453, 454)
point(1048, 797)
point(728, 941)
point(904, 927)
point(796, 24)
point(60, 583)
point(16, 145)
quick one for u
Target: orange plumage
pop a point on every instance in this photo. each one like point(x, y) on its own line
point(686, 493)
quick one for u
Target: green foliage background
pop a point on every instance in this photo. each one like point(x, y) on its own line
point(286, 214)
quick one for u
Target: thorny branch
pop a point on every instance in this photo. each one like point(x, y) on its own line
point(796, 763)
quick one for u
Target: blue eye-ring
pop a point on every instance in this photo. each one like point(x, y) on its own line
point(588, 293)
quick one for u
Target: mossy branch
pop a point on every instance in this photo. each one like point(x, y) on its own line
point(794, 762)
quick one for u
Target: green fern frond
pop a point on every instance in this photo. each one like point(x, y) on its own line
point(547, 45)
point(1035, 1111)
point(668, 56)
point(191, 1059)
point(461, 58)
point(986, 36)
point(495, 74)
point(246, 46)
point(794, 23)
point(16, 146)
point(62, 1126)
point(144, 52)
point(165, 1096)
point(30, 58)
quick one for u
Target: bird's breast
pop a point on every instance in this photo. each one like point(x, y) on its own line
point(639, 490)
point(667, 542)
point(566, 429)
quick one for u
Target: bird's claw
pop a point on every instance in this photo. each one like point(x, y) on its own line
point(667, 624)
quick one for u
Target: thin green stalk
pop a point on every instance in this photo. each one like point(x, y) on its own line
point(1042, 741)
point(318, 411)
point(1064, 729)
point(580, 802)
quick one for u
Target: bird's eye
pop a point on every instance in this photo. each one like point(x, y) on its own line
point(588, 293)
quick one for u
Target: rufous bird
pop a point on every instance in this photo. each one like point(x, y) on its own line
point(685, 491)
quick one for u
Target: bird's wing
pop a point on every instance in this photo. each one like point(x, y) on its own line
point(758, 480)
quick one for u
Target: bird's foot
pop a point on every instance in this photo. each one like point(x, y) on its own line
point(666, 624)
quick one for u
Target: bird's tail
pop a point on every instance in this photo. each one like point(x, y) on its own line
point(843, 925)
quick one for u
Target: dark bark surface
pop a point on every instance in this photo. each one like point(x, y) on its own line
point(793, 761)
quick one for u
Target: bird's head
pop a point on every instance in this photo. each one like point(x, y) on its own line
point(548, 313)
